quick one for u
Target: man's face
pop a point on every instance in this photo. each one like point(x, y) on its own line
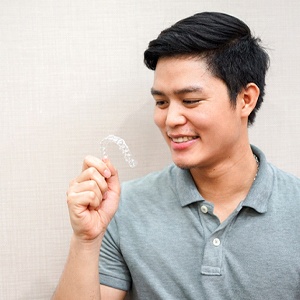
point(194, 113)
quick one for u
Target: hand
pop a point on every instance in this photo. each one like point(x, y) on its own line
point(93, 198)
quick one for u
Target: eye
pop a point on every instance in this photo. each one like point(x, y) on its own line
point(161, 103)
point(191, 102)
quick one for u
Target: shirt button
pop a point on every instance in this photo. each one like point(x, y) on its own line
point(204, 209)
point(216, 242)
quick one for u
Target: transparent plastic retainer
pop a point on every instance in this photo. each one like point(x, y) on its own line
point(122, 146)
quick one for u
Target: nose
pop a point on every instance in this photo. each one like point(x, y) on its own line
point(175, 115)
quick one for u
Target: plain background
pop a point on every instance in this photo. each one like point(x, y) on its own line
point(71, 72)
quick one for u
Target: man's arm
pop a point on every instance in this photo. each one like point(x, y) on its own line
point(111, 293)
point(80, 279)
point(93, 199)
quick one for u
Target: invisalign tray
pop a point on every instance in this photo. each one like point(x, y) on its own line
point(122, 146)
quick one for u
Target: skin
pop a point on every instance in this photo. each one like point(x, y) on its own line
point(204, 133)
point(93, 199)
point(191, 103)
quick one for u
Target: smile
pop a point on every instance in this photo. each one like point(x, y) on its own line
point(183, 139)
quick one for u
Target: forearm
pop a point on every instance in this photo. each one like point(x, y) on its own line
point(80, 278)
point(93, 199)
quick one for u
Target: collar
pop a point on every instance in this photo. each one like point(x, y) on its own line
point(262, 187)
point(257, 197)
point(185, 187)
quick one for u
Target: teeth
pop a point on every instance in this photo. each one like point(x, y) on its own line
point(182, 139)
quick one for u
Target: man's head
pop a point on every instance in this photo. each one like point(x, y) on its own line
point(224, 42)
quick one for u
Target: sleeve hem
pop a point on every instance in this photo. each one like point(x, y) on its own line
point(114, 282)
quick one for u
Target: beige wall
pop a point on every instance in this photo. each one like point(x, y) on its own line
point(71, 72)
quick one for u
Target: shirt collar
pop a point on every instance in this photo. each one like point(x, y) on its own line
point(257, 197)
point(185, 188)
point(262, 187)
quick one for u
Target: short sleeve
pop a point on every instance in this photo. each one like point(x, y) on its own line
point(113, 270)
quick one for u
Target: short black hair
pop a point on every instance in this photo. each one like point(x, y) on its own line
point(232, 53)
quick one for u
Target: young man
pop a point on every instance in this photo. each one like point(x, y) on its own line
point(221, 223)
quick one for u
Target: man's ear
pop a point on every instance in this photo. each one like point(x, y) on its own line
point(248, 98)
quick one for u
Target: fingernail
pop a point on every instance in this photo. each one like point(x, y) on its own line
point(106, 173)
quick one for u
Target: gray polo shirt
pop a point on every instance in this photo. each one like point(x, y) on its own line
point(165, 242)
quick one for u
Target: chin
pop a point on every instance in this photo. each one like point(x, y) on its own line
point(183, 164)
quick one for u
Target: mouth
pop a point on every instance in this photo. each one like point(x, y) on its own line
point(183, 139)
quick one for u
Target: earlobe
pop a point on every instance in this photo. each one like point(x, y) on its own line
point(249, 96)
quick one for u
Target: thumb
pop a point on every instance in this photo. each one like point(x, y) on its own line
point(113, 180)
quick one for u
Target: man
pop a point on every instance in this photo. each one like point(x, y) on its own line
point(221, 223)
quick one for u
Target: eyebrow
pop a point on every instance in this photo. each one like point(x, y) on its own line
point(186, 90)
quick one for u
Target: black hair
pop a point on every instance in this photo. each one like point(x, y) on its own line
point(225, 42)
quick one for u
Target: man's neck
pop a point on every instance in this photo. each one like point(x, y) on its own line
point(228, 184)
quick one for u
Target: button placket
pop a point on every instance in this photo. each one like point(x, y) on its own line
point(212, 257)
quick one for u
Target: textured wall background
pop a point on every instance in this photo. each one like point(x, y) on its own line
point(71, 72)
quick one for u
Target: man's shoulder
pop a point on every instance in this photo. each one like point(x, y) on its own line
point(274, 175)
point(284, 177)
point(155, 186)
point(286, 187)
point(148, 191)
point(156, 178)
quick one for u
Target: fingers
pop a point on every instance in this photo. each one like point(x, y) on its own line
point(111, 168)
point(98, 164)
point(91, 186)
point(93, 197)
point(93, 178)
point(86, 193)
point(106, 169)
point(113, 180)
